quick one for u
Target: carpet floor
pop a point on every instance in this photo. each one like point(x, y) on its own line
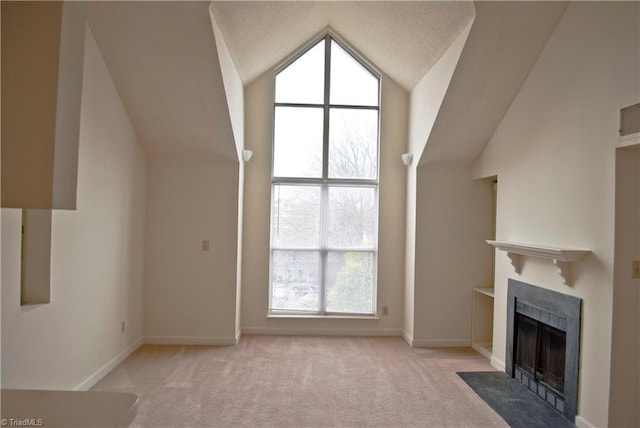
point(284, 381)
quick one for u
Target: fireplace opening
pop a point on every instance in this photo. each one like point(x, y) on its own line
point(540, 353)
point(543, 344)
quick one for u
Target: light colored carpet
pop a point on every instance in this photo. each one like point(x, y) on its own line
point(284, 381)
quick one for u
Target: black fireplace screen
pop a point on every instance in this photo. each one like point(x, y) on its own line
point(540, 352)
point(543, 343)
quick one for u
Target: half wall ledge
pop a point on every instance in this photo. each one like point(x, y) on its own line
point(563, 258)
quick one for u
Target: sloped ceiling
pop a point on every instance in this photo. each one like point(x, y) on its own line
point(504, 43)
point(163, 60)
point(403, 38)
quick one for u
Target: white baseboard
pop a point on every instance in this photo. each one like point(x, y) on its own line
point(186, 340)
point(441, 343)
point(497, 364)
point(102, 371)
point(306, 331)
point(583, 423)
point(407, 337)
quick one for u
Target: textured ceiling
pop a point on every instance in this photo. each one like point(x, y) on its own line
point(403, 38)
point(163, 60)
point(503, 45)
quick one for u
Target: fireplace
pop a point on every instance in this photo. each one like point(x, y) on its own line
point(543, 336)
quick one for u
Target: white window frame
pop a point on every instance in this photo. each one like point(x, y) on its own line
point(325, 182)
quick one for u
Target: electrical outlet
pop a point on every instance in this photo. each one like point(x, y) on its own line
point(123, 328)
point(205, 245)
point(635, 272)
point(385, 310)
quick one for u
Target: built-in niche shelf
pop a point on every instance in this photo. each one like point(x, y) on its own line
point(563, 258)
point(482, 321)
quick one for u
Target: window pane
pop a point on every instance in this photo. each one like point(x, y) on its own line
point(294, 280)
point(297, 147)
point(296, 216)
point(352, 217)
point(303, 80)
point(350, 282)
point(351, 83)
point(353, 143)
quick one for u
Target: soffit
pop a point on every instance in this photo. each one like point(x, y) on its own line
point(163, 60)
point(402, 38)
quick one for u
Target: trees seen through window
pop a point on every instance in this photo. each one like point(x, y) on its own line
point(324, 184)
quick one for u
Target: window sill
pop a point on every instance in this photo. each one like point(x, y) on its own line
point(324, 317)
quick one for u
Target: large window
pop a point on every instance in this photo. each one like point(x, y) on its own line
point(325, 184)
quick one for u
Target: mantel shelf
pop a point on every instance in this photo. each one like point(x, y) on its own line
point(562, 257)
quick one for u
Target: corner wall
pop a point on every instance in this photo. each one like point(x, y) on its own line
point(452, 258)
point(234, 92)
point(554, 155)
point(190, 293)
point(425, 101)
point(96, 257)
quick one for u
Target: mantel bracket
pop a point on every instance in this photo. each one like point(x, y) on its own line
point(563, 258)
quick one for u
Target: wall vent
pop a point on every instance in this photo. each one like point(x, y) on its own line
point(630, 120)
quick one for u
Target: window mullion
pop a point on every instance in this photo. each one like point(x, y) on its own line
point(324, 201)
point(327, 86)
point(324, 214)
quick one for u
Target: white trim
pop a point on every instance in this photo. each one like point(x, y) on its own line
point(321, 317)
point(629, 140)
point(359, 56)
point(562, 257)
point(104, 370)
point(187, 340)
point(482, 348)
point(497, 364)
point(307, 331)
point(441, 343)
point(583, 423)
point(542, 251)
point(407, 337)
point(238, 336)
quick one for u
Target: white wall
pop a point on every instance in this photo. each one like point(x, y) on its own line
point(455, 217)
point(554, 154)
point(625, 374)
point(233, 88)
point(42, 59)
point(96, 257)
point(425, 101)
point(255, 273)
point(190, 294)
point(234, 92)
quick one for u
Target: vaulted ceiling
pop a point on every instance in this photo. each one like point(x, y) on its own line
point(163, 59)
point(503, 45)
point(403, 38)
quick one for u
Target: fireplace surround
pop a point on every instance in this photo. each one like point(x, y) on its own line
point(543, 343)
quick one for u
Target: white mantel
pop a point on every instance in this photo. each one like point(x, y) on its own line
point(562, 257)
